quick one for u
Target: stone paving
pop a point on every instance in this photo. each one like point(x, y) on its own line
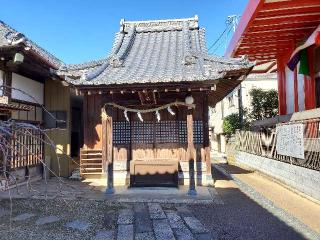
point(135, 222)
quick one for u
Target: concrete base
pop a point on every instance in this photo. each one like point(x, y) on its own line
point(201, 176)
point(110, 191)
point(201, 179)
point(121, 178)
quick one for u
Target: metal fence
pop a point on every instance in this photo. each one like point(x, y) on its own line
point(264, 144)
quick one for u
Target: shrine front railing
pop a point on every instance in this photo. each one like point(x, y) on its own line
point(263, 143)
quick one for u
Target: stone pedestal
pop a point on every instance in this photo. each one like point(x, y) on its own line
point(201, 176)
point(121, 175)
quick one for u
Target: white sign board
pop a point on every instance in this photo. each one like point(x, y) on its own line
point(290, 140)
point(4, 100)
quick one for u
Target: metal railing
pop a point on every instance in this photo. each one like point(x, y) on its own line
point(264, 144)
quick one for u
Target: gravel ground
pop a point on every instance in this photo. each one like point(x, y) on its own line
point(100, 215)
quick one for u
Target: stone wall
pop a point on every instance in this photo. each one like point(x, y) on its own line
point(302, 179)
point(21, 175)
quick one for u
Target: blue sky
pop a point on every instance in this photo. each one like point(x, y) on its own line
point(81, 30)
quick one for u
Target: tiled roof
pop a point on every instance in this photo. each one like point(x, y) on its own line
point(9, 37)
point(76, 70)
point(157, 52)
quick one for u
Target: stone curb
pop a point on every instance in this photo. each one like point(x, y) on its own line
point(290, 220)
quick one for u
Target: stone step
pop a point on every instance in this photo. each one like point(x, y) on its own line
point(125, 216)
point(125, 232)
point(162, 229)
point(156, 211)
point(195, 225)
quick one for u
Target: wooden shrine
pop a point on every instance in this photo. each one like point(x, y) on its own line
point(146, 105)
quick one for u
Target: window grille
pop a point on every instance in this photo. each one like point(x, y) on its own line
point(149, 132)
point(121, 133)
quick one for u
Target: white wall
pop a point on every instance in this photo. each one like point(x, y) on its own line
point(289, 90)
point(300, 91)
point(254, 81)
point(29, 86)
point(222, 109)
point(1, 82)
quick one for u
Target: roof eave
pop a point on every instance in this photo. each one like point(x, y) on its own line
point(21, 47)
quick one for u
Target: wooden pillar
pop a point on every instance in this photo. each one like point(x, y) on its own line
point(206, 140)
point(190, 151)
point(85, 121)
point(107, 147)
point(104, 141)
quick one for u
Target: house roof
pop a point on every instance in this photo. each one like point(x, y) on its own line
point(11, 38)
point(159, 51)
point(271, 27)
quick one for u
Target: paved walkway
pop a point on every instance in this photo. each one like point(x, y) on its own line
point(305, 210)
point(131, 222)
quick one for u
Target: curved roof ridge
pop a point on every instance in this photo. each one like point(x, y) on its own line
point(85, 65)
point(160, 25)
point(123, 46)
point(161, 21)
point(188, 58)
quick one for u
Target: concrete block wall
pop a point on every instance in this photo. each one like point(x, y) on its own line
point(302, 179)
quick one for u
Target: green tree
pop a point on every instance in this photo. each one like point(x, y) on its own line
point(231, 123)
point(264, 104)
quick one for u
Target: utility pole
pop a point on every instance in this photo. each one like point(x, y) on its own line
point(234, 21)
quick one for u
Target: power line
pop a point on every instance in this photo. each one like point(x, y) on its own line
point(221, 35)
point(230, 28)
point(231, 22)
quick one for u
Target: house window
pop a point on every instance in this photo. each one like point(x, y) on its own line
point(33, 115)
point(55, 119)
point(231, 101)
